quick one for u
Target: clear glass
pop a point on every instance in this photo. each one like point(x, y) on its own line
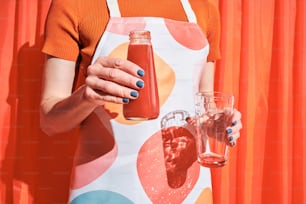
point(213, 111)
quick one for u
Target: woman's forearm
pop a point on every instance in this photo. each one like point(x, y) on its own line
point(108, 80)
point(61, 115)
point(207, 78)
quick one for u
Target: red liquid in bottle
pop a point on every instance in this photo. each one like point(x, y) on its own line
point(146, 106)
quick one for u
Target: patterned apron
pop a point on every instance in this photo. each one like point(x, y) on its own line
point(120, 161)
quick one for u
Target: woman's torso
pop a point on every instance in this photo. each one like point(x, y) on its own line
point(126, 159)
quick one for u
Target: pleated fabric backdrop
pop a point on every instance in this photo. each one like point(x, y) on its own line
point(263, 62)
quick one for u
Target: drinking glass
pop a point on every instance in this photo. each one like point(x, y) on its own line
point(213, 114)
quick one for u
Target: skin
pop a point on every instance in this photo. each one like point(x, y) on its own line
point(108, 80)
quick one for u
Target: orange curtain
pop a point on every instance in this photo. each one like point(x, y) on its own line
point(34, 168)
point(263, 63)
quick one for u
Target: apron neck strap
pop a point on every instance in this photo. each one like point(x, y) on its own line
point(189, 11)
point(114, 10)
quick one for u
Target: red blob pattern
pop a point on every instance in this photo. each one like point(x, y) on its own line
point(156, 181)
point(185, 36)
point(132, 23)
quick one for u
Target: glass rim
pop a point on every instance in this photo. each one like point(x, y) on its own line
point(217, 94)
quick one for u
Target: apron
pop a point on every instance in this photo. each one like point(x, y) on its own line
point(122, 161)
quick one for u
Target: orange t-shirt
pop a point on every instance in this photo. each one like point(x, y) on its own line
point(74, 27)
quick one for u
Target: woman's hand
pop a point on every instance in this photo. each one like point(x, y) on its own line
point(113, 80)
point(109, 79)
point(232, 132)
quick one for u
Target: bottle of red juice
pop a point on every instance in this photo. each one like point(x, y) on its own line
point(140, 51)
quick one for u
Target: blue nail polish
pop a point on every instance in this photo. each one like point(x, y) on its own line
point(140, 84)
point(134, 93)
point(229, 131)
point(140, 73)
point(233, 143)
point(234, 123)
point(125, 100)
point(230, 138)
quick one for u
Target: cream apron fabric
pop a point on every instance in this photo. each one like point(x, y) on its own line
point(133, 170)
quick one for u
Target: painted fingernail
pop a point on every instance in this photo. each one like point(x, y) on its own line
point(125, 100)
point(234, 123)
point(230, 138)
point(134, 93)
point(140, 73)
point(233, 143)
point(229, 131)
point(140, 84)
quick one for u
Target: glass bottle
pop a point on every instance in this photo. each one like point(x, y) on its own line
point(140, 51)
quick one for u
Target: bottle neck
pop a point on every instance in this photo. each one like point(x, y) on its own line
point(140, 37)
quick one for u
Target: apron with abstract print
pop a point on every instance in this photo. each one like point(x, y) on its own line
point(121, 161)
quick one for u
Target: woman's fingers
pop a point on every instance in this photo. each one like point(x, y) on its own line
point(117, 64)
point(233, 131)
point(100, 90)
point(113, 80)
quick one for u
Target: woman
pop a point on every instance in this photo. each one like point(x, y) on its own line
point(87, 79)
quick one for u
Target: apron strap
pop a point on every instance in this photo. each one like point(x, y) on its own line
point(114, 11)
point(113, 8)
point(189, 12)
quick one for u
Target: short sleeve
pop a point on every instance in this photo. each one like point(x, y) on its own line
point(213, 31)
point(61, 30)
